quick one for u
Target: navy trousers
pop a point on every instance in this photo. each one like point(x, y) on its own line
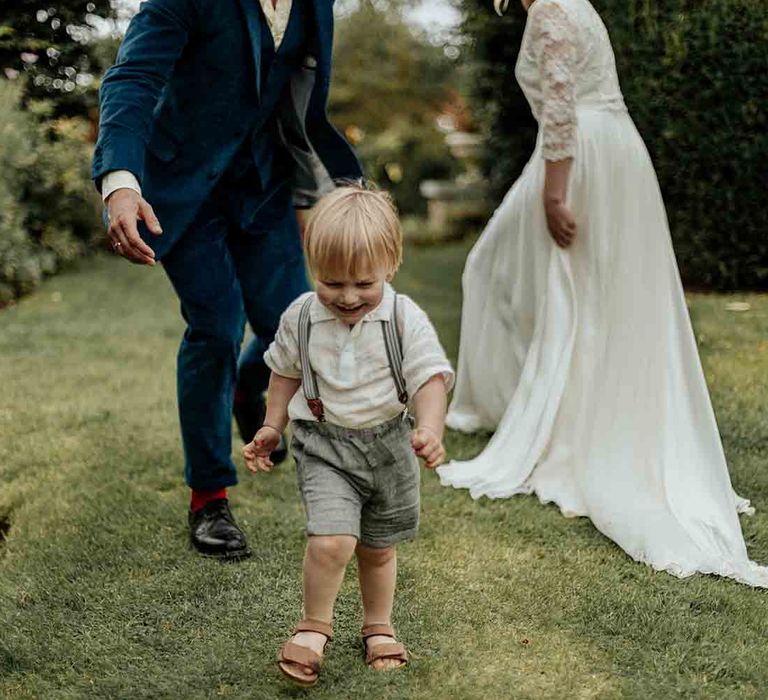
point(225, 272)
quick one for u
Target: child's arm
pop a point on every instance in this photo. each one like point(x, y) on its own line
point(430, 403)
point(280, 392)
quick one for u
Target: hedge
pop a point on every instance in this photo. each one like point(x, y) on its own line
point(695, 77)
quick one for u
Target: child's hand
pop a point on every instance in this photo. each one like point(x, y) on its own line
point(427, 445)
point(257, 451)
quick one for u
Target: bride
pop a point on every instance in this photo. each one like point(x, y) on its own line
point(576, 346)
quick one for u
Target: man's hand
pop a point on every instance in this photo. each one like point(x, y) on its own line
point(126, 207)
point(257, 451)
point(428, 445)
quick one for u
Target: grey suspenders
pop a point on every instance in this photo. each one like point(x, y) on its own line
point(392, 342)
point(308, 378)
point(394, 345)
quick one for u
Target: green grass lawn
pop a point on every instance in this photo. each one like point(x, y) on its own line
point(100, 596)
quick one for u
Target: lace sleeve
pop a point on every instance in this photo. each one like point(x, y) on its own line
point(553, 44)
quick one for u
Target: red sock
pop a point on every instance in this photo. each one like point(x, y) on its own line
point(200, 498)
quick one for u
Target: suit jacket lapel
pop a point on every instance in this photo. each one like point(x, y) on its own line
point(323, 10)
point(252, 13)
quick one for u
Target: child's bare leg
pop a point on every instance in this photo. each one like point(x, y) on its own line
point(325, 561)
point(377, 569)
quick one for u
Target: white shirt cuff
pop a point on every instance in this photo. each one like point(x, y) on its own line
point(116, 180)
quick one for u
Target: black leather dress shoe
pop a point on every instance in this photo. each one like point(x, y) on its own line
point(249, 416)
point(214, 533)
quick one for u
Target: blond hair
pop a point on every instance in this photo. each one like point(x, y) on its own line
point(351, 231)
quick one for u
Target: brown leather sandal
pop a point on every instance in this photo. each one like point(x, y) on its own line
point(293, 658)
point(388, 650)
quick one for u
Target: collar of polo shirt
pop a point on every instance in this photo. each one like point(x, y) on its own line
point(383, 312)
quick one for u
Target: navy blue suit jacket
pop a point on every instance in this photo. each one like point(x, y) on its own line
point(180, 100)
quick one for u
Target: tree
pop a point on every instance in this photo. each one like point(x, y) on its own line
point(50, 44)
point(384, 71)
point(390, 84)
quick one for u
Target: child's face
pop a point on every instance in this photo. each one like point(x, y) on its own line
point(348, 297)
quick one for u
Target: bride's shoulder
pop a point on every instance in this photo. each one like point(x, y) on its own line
point(543, 8)
point(554, 16)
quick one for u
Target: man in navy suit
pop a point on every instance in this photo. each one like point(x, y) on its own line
point(215, 113)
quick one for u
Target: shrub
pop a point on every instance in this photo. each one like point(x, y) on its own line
point(49, 211)
point(17, 255)
point(401, 157)
point(694, 76)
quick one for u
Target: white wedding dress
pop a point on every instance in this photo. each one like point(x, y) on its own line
point(583, 360)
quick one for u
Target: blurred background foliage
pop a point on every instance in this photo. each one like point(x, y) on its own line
point(49, 210)
point(51, 58)
point(694, 73)
point(390, 84)
point(56, 48)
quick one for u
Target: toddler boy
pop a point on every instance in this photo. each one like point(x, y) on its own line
point(347, 363)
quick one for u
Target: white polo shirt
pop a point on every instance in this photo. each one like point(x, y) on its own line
point(353, 374)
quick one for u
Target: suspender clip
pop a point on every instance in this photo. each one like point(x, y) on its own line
point(317, 409)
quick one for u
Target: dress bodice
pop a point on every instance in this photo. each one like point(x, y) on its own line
point(566, 61)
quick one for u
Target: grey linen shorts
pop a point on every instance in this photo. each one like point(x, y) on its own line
point(360, 482)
